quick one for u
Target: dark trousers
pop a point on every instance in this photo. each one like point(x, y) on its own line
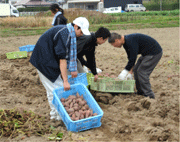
point(142, 71)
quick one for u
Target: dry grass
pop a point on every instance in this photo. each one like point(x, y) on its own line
point(45, 19)
point(23, 22)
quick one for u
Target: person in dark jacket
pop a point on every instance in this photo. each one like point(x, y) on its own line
point(54, 53)
point(151, 52)
point(58, 15)
point(86, 45)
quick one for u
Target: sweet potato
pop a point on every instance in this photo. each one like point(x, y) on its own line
point(71, 104)
point(70, 110)
point(82, 97)
point(81, 116)
point(91, 113)
point(77, 95)
point(77, 118)
point(72, 97)
point(63, 99)
point(74, 101)
point(82, 103)
point(77, 114)
point(94, 114)
point(76, 108)
point(69, 101)
point(84, 112)
point(73, 115)
point(66, 104)
point(70, 114)
point(83, 108)
point(66, 108)
point(76, 104)
point(87, 113)
point(86, 106)
point(78, 100)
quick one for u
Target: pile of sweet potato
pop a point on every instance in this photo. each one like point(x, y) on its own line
point(77, 107)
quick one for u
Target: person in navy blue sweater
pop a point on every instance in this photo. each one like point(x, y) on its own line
point(151, 52)
point(58, 12)
point(54, 53)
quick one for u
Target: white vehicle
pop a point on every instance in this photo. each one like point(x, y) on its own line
point(8, 10)
point(113, 10)
point(134, 7)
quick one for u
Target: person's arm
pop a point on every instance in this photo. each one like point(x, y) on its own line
point(82, 60)
point(63, 69)
point(132, 53)
point(131, 71)
point(91, 61)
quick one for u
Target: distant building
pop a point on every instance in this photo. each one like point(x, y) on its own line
point(31, 3)
point(83, 4)
point(122, 3)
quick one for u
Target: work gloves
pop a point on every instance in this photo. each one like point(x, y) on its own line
point(125, 75)
point(87, 71)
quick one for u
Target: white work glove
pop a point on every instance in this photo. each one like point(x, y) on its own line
point(98, 70)
point(123, 74)
point(85, 69)
point(129, 77)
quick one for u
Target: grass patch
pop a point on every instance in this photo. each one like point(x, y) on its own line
point(40, 30)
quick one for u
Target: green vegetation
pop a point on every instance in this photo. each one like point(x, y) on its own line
point(166, 5)
point(27, 9)
point(22, 26)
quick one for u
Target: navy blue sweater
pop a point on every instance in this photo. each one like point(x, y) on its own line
point(52, 46)
point(139, 44)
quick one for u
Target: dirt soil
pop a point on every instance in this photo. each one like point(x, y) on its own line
point(127, 117)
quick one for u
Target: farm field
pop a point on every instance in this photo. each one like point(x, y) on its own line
point(127, 117)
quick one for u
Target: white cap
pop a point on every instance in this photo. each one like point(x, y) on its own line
point(83, 23)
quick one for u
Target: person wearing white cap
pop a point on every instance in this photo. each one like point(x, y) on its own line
point(54, 53)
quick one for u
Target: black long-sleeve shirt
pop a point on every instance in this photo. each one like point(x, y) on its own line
point(86, 45)
point(139, 44)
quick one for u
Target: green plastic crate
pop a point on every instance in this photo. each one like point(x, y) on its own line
point(15, 55)
point(112, 85)
point(89, 75)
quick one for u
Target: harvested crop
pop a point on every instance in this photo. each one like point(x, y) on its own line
point(76, 107)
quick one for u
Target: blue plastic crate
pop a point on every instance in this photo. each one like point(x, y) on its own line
point(83, 124)
point(81, 78)
point(27, 48)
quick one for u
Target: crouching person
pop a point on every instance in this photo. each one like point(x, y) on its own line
point(151, 53)
point(54, 53)
point(86, 46)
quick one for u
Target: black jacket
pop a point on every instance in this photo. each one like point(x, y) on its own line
point(86, 45)
point(52, 46)
point(60, 20)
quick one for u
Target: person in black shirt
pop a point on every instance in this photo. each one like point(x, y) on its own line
point(86, 45)
point(58, 12)
point(151, 53)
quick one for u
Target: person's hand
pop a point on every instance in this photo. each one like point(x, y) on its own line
point(74, 74)
point(95, 77)
point(123, 74)
point(66, 85)
point(129, 77)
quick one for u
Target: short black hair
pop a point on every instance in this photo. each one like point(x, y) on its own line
point(102, 32)
point(74, 24)
point(55, 6)
point(113, 37)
